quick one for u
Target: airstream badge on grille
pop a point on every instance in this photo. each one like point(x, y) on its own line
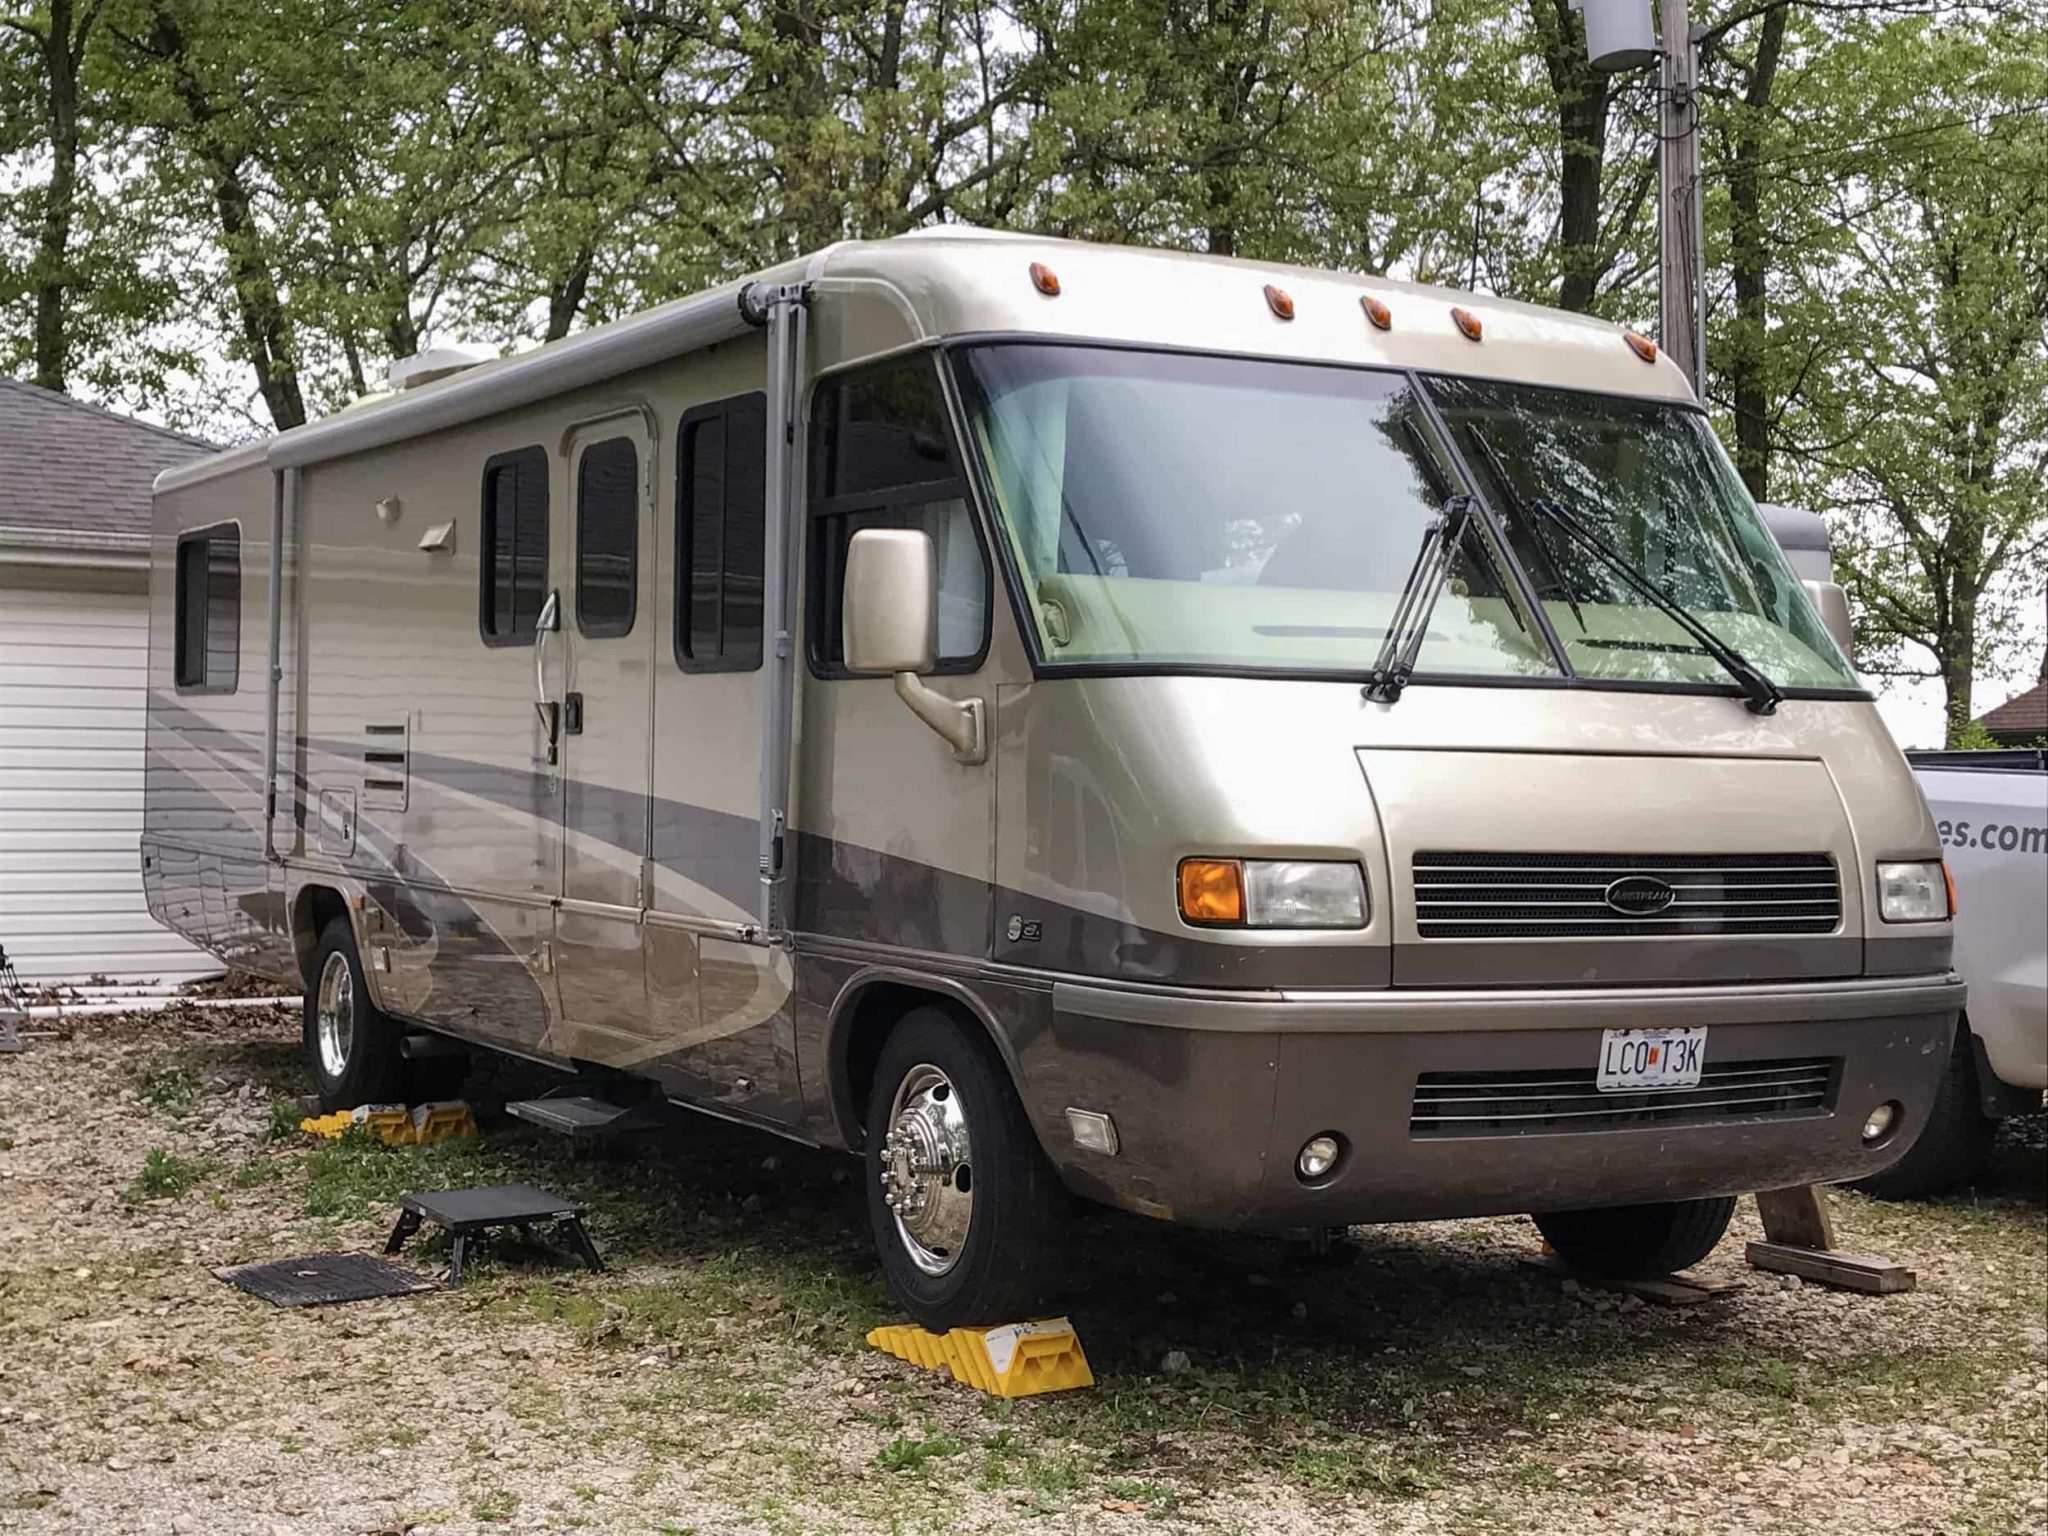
point(1639, 895)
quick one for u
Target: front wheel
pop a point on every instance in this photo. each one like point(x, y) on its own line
point(1638, 1242)
point(969, 1217)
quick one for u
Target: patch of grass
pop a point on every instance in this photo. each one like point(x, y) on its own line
point(164, 1176)
point(1354, 1466)
point(255, 1175)
point(909, 1454)
point(283, 1124)
point(496, 1507)
point(168, 1084)
point(347, 1177)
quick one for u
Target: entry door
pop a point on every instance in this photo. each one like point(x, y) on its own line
point(608, 630)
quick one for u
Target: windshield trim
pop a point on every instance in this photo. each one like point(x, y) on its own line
point(951, 350)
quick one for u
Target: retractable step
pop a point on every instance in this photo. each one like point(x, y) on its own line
point(586, 1117)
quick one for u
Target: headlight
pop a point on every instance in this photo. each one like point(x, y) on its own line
point(1272, 893)
point(1912, 893)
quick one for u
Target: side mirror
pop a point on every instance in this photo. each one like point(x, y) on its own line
point(891, 606)
point(1833, 604)
point(891, 602)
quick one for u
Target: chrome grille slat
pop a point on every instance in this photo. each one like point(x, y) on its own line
point(1523, 1103)
point(1560, 895)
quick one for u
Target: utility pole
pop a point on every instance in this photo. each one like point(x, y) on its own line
point(1681, 257)
point(1619, 36)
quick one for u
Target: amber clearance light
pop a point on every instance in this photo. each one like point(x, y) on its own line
point(1212, 890)
point(1467, 323)
point(1045, 280)
point(1641, 345)
point(1280, 302)
point(1377, 312)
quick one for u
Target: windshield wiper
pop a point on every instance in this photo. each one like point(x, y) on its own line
point(1760, 694)
point(1409, 626)
point(1520, 511)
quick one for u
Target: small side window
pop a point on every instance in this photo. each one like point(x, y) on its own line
point(207, 651)
point(607, 537)
point(883, 458)
point(721, 532)
point(514, 546)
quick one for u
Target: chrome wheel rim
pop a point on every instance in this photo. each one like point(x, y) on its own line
point(334, 1017)
point(927, 1169)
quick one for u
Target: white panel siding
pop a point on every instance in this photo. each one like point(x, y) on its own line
point(73, 672)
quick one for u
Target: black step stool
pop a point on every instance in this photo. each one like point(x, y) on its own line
point(467, 1212)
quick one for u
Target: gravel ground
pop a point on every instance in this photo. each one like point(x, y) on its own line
point(714, 1379)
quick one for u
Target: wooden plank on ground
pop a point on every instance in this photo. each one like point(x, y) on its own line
point(1848, 1271)
point(1797, 1218)
point(1683, 1289)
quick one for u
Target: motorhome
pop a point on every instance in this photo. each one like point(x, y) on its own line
point(1252, 746)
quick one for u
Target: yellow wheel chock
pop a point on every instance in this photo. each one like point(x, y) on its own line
point(1015, 1360)
point(396, 1125)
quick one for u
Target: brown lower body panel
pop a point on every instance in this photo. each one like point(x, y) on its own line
point(1210, 1120)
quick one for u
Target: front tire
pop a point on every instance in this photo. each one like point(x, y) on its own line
point(352, 1046)
point(1638, 1242)
point(969, 1217)
point(1954, 1144)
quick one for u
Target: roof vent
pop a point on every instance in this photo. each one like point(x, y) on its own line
point(436, 363)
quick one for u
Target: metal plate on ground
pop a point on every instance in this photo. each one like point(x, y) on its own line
point(325, 1279)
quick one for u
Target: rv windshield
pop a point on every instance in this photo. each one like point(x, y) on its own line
point(1177, 510)
point(1172, 509)
point(1650, 479)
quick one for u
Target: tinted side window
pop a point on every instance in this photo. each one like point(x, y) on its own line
point(607, 537)
point(514, 546)
point(206, 654)
point(884, 459)
point(721, 526)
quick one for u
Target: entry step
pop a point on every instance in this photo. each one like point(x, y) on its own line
point(584, 1115)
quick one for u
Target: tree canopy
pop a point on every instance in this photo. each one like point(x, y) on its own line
point(236, 213)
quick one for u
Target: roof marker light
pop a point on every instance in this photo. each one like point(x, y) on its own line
point(1377, 312)
point(1278, 301)
point(1467, 322)
point(1045, 280)
point(1641, 345)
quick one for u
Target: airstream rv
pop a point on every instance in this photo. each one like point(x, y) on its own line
point(1253, 746)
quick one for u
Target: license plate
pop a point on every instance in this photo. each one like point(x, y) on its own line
point(1639, 1060)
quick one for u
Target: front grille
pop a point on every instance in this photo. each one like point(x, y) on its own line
point(1565, 895)
point(1552, 1100)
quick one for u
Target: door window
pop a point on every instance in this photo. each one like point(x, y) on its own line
point(884, 455)
point(607, 537)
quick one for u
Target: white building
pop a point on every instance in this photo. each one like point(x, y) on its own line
point(74, 646)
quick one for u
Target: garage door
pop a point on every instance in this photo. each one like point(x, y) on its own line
point(73, 662)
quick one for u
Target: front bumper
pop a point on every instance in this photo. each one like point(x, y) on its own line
point(1214, 1093)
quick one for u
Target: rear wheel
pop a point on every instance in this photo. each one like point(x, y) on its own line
point(1638, 1242)
point(969, 1217)
point(351, 1045)
point(1954, 1144)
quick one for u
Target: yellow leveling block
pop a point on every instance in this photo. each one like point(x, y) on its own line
point(396, 1125)
point(1016, 1360)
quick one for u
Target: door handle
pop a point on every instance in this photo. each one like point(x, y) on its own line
point(549, 711)
point(572, 714)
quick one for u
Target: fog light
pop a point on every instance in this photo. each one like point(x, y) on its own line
point(1880, 1123)
point(1318, 1156)
point(1093, 1131)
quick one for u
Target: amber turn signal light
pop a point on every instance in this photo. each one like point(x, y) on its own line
point(1467, 323)
point(1377, 312)
point(1278, 300)
point(1212, 890)
point(1045, 280)
point(1641, 345)
point(1948, 879)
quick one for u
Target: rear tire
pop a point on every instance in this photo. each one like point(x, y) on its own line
point(1638, 1242)
point(978, 1233)
point(351, 1045)
point(1954, 1144)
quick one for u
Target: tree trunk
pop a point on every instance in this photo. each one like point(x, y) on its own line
point(51, 274)
point(566, 294)
point(1750, 259)
point(265, 325)
point(1581, 94)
